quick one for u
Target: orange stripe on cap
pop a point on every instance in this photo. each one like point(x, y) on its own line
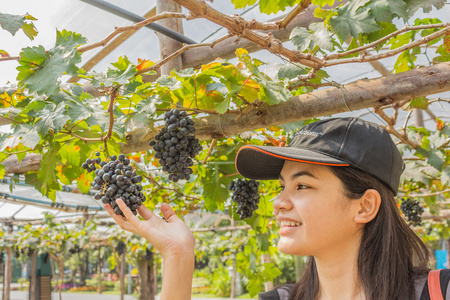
point(289, 158)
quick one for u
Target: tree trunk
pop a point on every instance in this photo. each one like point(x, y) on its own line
point(147, 278)
point(144, 293)
point(61, 271)
point(8, 273)
point(122, 277)
point(84, 268)
point(168, 45)
point(33, 279)
point(265, 258)
point(99, 272)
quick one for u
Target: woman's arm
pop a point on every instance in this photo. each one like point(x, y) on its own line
point(172, 239)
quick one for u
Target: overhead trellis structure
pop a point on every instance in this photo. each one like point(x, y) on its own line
point(364, 80)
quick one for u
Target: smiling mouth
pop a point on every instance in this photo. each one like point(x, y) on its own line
point(290, 224)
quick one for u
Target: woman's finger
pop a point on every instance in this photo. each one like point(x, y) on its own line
point(128, 214)
point(124, 224)
point(145, 213)
point(168, 213)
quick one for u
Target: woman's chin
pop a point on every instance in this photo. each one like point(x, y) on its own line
point(287, 246)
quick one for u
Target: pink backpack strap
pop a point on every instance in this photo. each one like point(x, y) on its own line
point(434, 285)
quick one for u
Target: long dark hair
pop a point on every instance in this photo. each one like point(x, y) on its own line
point(390, 256)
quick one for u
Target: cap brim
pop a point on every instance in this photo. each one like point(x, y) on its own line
point(266, 162)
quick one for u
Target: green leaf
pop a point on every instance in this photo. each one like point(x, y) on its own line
point(318, 36)
point(322, 3)
point(445, 176)
point(215, 193)
point(385, 10)
point(291, 71)
point(78, 111)
point(386, 28)
point(28, 134)
point(426, 5)
point(40, 71)
point(436, 159)
point(273, 92)
point(419, 102)
point(353, 19)
point(51, 117)
point(13, 23)
point(48, 183)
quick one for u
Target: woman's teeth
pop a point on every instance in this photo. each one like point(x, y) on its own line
point(290, 223)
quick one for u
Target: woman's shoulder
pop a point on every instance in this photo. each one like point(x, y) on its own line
point(279, 293)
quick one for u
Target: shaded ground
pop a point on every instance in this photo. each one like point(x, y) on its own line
point(17, 295)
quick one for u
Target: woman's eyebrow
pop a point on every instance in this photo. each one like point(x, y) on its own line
point(298, 174)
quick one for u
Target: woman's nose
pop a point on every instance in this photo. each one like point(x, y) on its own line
point(282, 202)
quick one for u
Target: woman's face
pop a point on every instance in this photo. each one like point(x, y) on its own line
point(315, 217)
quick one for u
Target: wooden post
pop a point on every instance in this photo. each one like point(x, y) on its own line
point(8, 267)
point(147, 278)
point(448, 254)
point(168, 45)
point(99, 272)
point(33, 276)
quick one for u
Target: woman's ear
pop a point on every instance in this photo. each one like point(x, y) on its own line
point(369, 204)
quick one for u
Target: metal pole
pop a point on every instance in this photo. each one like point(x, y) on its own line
point(136, 18)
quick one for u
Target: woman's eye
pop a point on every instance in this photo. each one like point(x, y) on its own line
point(302, 187)
point(281, 188)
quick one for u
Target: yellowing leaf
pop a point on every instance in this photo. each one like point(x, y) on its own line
point(144, 64)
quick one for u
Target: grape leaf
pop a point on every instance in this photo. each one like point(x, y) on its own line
point(78, 111)
point(28, 134)
point(40, 71)
point(318, 35)
point(386, 28)
point(427, 5)
point(12, 24)
point(322, 3)
point(352, 19)
point(436, 159)
point(51, 117)
point(48, 183)
point(291, 71)
point(383, 10)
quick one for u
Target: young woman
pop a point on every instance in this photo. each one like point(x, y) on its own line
point(338, 178)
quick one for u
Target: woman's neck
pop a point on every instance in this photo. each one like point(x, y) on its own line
point(338, 275)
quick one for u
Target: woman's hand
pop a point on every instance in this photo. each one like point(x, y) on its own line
point(171, 238)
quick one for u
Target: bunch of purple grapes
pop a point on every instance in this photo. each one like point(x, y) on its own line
point(176, 145)
point(246, 195)
point(116, 179)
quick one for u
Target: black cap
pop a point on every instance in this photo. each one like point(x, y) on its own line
point(331, 142)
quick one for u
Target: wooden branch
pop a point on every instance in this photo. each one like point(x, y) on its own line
point(9, 58)
point(289, 17)
point(226, 49)
point(109, 48)
point(158, 64)
point(357, 95)
point(236, 25)
point(31, 162)
point(362, 58)
point(135, 27)
point(385, 38)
